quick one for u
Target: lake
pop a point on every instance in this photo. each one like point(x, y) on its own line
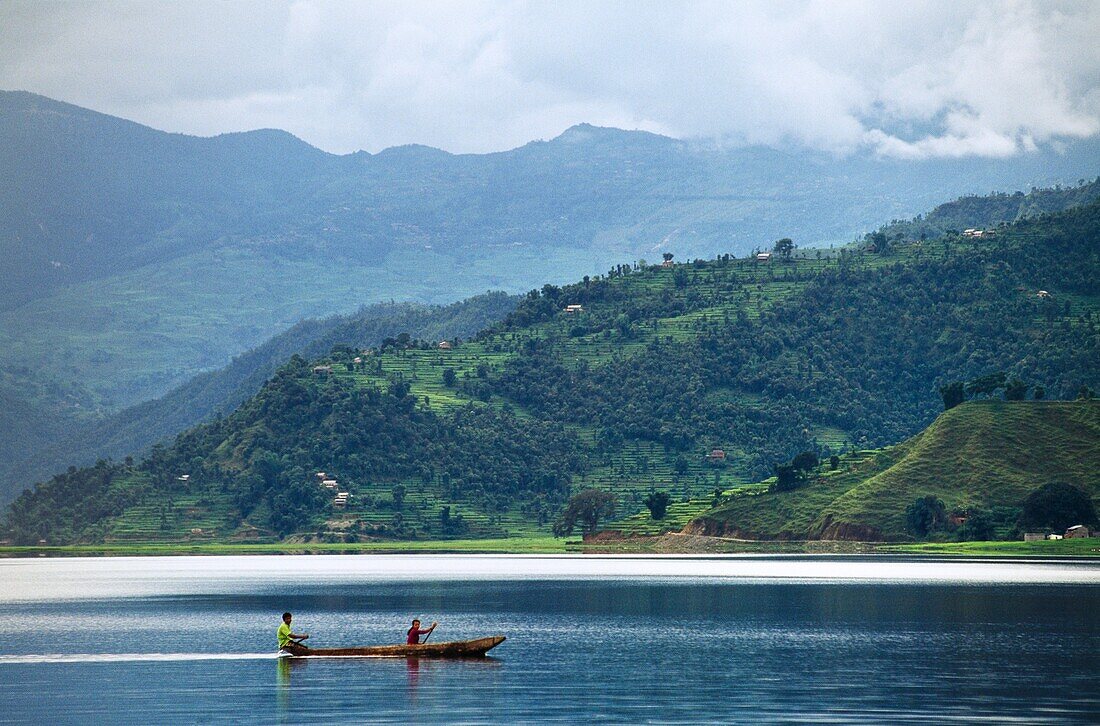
point(590, 639)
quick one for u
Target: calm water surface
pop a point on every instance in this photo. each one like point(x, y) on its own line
point(657, 639)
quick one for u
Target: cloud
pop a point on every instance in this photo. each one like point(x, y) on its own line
point(909, 80)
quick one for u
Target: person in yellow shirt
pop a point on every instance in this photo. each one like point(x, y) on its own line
point(285, 636)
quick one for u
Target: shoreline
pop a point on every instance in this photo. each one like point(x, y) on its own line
point(648, 545)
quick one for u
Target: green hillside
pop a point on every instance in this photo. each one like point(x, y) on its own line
point(631, 393)
point(41, 450)
point(981, 455)
point(989, 211)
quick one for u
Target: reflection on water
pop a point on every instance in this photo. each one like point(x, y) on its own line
point(412, 667)
point(580, 649)
point(77, 578)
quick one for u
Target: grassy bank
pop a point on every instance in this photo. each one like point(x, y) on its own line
point(652, 545)
point(1046, 548)
point(511, 545)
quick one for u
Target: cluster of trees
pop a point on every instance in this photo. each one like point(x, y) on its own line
point(1014, 389)
point(795, 474)
point(1054, 507)
point(585, 509)
point(657, 504)
point(73, 504)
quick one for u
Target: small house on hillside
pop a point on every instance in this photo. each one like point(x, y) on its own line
point(1077, 531)
point(1054, 536)
point(322, 370)
point(667, 263)
point(184, 477)
point(328, 483)
point(571, 309)
point(1034, 536)
point(716, 455)
point(979, 233)
point(763, 256)
point(445, 345)
point(1043, 295)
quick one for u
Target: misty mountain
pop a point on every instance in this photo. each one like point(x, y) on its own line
point(134, 259)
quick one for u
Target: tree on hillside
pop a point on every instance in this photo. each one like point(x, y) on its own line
point(986, 385)
point(293, 503)
point(953, 394)
point(667, 256)
point(925, 515)
point(448, 377)
point(805, 461)
point(1055, 507)
point(657, 504)
point(398, 493)
point(680, 465)
point(784, 247)
point(793, 475)
point(1016, 390)
point(786, 478)
point(586, 508)
point(978, 527)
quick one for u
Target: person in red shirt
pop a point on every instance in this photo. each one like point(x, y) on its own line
point(415, 632)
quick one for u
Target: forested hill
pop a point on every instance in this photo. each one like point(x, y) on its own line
point(981, 460)
point(135, 429)
point(632, 392)
point(987, 211)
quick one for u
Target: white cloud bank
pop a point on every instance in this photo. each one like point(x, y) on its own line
point(904, 79)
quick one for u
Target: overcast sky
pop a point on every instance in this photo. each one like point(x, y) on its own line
point(911, 80)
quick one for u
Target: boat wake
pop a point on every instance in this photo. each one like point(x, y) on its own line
point(127, 657)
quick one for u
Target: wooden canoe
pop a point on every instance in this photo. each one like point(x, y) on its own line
point(455, 649)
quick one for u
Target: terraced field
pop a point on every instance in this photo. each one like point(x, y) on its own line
point(637, 468)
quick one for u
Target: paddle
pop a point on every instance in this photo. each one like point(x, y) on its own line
point(429, 634)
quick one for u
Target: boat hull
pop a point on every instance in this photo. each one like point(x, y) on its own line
point(455, 649)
